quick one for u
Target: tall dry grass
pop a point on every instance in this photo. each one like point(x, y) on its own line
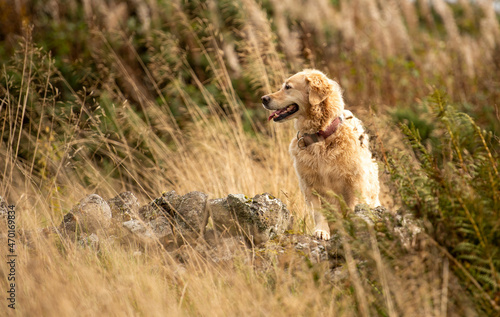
point(103, 97)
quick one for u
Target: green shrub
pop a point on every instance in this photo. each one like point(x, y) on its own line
point(453, 184)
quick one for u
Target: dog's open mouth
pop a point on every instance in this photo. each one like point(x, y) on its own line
point(281, 114)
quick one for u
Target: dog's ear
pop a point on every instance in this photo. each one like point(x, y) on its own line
point(319, 87)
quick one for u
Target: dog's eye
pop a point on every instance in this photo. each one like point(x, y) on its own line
point(288, 87)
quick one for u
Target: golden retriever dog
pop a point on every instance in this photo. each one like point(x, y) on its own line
point(330, 152)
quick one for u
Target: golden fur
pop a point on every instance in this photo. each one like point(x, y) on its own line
point(342, 163)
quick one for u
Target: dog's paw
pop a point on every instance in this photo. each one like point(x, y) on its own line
point(322, 234)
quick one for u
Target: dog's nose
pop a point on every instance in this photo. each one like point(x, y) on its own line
point(266, 100)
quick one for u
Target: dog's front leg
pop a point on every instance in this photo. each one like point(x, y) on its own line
point(321, 228)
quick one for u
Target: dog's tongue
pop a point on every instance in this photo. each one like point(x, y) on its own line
point(271, 116)
point(276, 113)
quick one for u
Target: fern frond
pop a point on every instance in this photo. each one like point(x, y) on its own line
point(455, 186)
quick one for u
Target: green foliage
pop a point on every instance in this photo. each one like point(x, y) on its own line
point(453, 184)
point(410, 117)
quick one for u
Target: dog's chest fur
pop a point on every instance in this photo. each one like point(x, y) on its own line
point(334, 162)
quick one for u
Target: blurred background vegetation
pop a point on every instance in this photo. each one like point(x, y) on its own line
point(106, 96)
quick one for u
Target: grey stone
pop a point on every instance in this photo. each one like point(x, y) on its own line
point(149, 212)
point(224, 219)
point(187, 212)
point(370, 215)
point(259, 219)
point(157, 228)
point(91, 215)
point(137, 227)
point(403, 226)
point(153, 209)
point(161, 227)
point(191, 210)
point(314, 250)
point(225, 249)
point(124, 206)
point(161, 206)
point(91, 241)
point(407, 230)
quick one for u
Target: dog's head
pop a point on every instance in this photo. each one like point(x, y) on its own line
point(308, 96)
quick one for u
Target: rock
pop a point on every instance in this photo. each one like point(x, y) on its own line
point(186, 212)
point(159, 228)
point(223, 218)
point(249, 230)
point(221, 248)
point(184, 218)
point(138, 227)
point(91, 215)
point(403, 226)
point(260, 218)
point(370, 215)
point(192, 210)
point(161, 206)
point(149, 212)
point(69, 223)
point(124, 206)
point(407, 229)
point(314, 250)
point(91, 240)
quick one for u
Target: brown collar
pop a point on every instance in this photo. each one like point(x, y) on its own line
point(309, 138)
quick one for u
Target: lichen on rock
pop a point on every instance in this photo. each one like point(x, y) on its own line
point(124, 206)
